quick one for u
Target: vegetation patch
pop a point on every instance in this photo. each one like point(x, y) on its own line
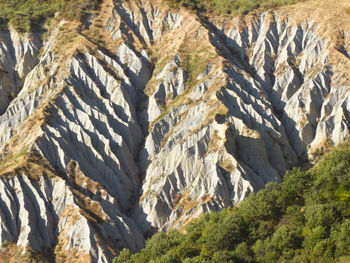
point(151, 86)
point(227, 165)
point(195, 59)
point(347, 11)
point(81, 184)
point(24, 15)
point(227, 7)
point(215, 142)
point(304, 219)
point(12, 253)
point(28, 163)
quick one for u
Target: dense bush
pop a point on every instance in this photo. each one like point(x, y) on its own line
point(304, 219)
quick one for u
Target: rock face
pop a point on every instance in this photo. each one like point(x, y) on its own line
point(176, 116)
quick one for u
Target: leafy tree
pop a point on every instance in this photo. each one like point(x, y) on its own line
point(124, 256)
point(222, 257)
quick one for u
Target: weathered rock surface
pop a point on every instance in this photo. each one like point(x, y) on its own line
point(228, 109)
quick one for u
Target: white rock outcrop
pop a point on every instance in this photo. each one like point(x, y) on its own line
point(127, 164)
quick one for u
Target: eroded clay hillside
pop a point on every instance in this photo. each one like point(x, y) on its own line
point(142, 117)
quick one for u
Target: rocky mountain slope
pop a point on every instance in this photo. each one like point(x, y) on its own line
point(143, 117)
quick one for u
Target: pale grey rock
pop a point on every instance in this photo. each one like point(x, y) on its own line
point(18, 56)
point(274, 116)
point(144, 166)
point(34, 213)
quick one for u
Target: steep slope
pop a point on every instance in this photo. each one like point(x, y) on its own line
point(284, 101)
point(144, 117)
point(303, 219)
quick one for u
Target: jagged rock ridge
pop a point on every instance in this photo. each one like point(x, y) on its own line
point(180, 115)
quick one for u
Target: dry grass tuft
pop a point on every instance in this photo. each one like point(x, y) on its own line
point(11, 253)
point(80, 183)
point(227, 165)
point(25, 162)
point(214, 142)
point(347, 11)
point(325, 146)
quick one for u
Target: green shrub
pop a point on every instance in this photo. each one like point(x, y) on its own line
point(222, 257)
point(341, 238)
point(124, 256)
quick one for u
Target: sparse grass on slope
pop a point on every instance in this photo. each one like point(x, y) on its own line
point(347, 11)
point(34, 166)
point(304, 219)
point(228, 7)
point(23, 15)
